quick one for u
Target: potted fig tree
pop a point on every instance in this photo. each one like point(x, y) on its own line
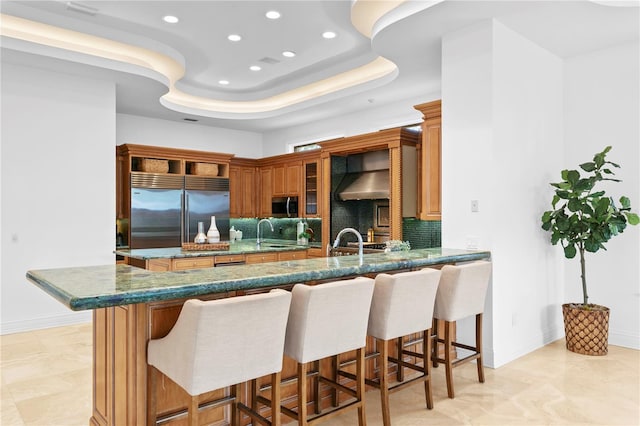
point(583, 219)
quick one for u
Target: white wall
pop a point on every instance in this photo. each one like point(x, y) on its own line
point(150, 131)
point(602, 91)
point(502, 114)
point(58, 187)
point(370, 119)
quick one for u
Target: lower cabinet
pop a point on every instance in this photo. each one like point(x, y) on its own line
point(184, 263)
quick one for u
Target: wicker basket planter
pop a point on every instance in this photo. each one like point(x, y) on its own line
point(586, 330)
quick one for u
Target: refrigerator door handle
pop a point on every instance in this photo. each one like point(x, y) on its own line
point(185, 220)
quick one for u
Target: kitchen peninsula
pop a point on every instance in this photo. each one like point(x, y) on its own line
point(132, 305)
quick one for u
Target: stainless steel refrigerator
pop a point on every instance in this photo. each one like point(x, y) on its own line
point(166, 209)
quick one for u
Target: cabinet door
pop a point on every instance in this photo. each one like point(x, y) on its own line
point(236, 189)
point(266, 191)
point(292, 181)
point(261, 257)
point(429, 188)
point(311, 191)
point(192, 263)
point(430, 206)
point(248, 208)
point(278, 186)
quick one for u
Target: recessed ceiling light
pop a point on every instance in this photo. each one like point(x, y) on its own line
point(170, 19)
point(223, 82)
point(329, 34)
point(255, 68)
point(272, 14)
point(288, 54)
point(234, 37)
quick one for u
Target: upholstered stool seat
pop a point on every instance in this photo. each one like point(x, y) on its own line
point(325, 320)
point(461, 294)
point(220, 343)
point(402, 305)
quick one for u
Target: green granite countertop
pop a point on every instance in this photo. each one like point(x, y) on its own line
point(93, 287)
point(236, 247)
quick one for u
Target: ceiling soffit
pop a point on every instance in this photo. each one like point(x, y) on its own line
point(166, 65)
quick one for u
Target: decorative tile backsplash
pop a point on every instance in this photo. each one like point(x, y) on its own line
point(283, 228)
point(421, 233)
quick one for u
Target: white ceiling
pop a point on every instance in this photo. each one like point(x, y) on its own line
point(199, 42)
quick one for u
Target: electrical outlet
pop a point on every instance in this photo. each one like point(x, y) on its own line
point(474, 206)
point(473, 242)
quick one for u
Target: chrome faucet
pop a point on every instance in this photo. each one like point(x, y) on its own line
point(258, 230)
point(336, 243)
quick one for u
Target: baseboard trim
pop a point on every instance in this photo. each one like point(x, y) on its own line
point(46, 322)
point(626, 340)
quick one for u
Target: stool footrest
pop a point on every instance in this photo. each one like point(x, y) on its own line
point(255, 416)
point(338, 386)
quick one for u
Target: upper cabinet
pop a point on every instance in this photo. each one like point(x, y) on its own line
point(266, 191)
point(311, 185)
point(243, 197)
point(152, 160)
point(286, 178)
point(430, 170)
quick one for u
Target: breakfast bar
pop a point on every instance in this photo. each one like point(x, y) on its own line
point(132, 305)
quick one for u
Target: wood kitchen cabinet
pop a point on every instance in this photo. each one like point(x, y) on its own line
point(286, 179)
point(430, 166)
point(243, 197)
point(311, 188)
point(154, 162)
point(401, 146)
point(266, 191)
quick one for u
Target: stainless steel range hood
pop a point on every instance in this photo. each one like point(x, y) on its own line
point(367, 177)
point(371, 185)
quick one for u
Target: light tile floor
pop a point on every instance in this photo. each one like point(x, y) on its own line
point(46, 381)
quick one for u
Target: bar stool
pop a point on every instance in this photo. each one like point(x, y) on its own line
point(461, 293)
point(326, 320)
point(220, 343)
point(402, 305)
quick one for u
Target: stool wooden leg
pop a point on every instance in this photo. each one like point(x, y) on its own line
point(383, 368)
point(253, 393)
point(434, 357)
point(335, 365)
point(193, 411)
point(362, 420)
point(426, 351)
point(302, 393)
point(275, 399)
point(316, 387)
point(479, 348)
point(151, 395)
point(400, 370)
point(447, 358)
point(235, 415)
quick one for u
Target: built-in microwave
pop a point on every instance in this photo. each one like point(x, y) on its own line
point(284, 206)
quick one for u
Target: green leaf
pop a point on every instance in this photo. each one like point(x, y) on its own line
point(573, 176)
point(591, 246)
point(626, 203)
point(570, 251)
point(632, 218)
point(563, 174)
point(588, 167)
point(602, 206)
point(584, 184)
point(574, 205)
point(563, 194)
